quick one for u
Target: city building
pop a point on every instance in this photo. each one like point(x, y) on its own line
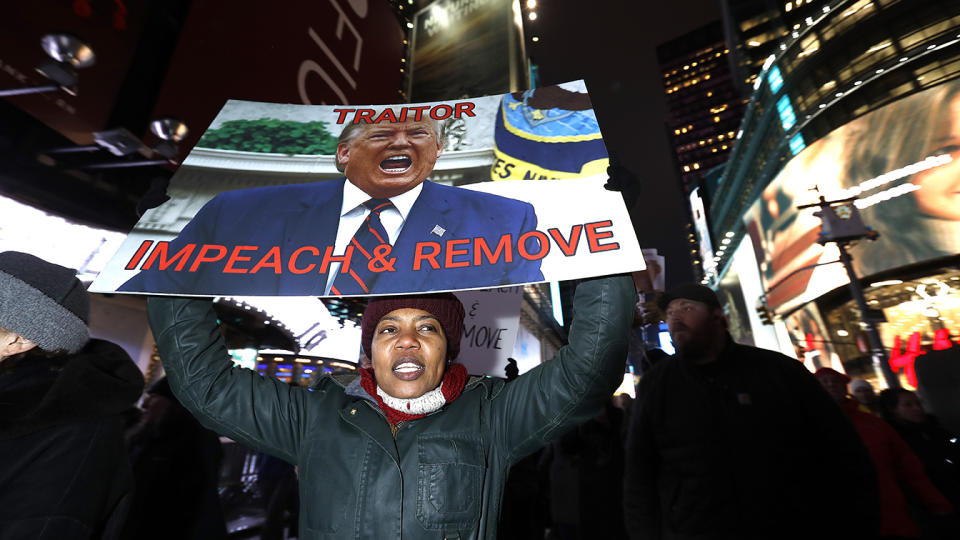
point(704, 110)
point(855, 98)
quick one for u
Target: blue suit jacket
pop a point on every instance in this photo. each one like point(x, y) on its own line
point(293, 216)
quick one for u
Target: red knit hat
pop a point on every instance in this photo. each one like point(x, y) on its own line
point(824, 371)
point(446, 307)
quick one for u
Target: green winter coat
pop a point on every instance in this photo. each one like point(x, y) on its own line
point(441, 476)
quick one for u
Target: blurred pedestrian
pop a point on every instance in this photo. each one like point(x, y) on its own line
point(278, 487)
point(863, 391)
point(63, 397)
point(937, 448)
point(585, 471)
point(898, 468)
point(523, 511)
point(734, 442)
point(176, 465)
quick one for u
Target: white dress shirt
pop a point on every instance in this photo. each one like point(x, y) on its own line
point(353, 212)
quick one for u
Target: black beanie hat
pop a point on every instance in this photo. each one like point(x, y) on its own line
point(689, 291)
point(43, 302)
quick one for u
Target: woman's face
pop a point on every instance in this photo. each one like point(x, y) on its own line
point(409, 353)
point(910, 409)
point(939, 193)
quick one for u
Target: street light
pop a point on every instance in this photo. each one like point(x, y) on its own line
point(67, 53)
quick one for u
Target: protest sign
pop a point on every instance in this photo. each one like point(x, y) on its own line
point(489, 329)
point(302, 200)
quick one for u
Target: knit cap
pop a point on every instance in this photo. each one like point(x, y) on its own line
point(446, 307)
point(43, 302)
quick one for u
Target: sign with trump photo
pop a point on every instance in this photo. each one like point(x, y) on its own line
point(305, 200)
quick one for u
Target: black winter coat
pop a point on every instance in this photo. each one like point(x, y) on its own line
point(64, 473)
point(747, 447)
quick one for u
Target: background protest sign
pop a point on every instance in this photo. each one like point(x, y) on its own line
point(259, 207)
point(489, 329)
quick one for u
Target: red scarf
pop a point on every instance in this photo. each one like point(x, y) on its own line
point(454, 379)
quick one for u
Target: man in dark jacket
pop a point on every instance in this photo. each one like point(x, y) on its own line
point(735, 442)
point(63, 467)
point(411, 448)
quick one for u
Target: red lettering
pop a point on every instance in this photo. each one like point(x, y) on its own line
point(387, 115)
point(161, 251)
point(135, 260)
point(437, 115)
point(941, 339)
point(328, 258)
point(343, 114)
point(235, 257)
point(543, 242)
point(418, 112)
point(451, 253)
point(464, 108)
point(292, 265)
point(429, 257)
point(481, 249)
point(906, 360)
point(203, 258)
point(270, 260)
point(594, 236)
point(364, 114)
point(567, 246)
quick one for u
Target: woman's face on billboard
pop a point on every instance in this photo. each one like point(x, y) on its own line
point(939, 193)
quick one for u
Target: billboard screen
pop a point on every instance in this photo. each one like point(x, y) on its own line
point(901, 161)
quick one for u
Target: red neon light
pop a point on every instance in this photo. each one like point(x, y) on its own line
point(941, 339)
point(906, 360)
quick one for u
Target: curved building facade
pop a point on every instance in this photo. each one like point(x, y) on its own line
point(860, 98)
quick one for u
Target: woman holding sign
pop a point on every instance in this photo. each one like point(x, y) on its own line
point(412, 447)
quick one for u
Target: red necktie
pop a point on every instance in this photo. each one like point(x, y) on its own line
point(370, 235)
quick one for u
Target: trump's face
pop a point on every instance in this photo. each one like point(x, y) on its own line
point(385, 160)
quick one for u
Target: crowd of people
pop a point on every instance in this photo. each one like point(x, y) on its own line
point(723, 441)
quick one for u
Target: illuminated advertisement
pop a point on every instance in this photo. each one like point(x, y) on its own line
point(702, 229)
point(470, 48)
point(307, 200)
point(900, 161)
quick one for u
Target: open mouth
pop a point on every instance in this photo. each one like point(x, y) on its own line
point(396, 164)
point(407, 370)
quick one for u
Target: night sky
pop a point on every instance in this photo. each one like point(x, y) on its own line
point(612, 45)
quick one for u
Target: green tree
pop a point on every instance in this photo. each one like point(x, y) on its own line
point(270, 135)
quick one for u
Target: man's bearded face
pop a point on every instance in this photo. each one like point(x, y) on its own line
point(387, 159)
point(692, 324)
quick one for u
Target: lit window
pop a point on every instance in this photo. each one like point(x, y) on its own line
point(787, 117)
point(686, 168)
point(709, 94)
point(775, 79)
point(788, 7)
point(676, 132)
point(716, 118)
point(696, 165)
point(797, 144)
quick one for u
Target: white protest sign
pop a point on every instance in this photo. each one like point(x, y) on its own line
point(489, 329)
